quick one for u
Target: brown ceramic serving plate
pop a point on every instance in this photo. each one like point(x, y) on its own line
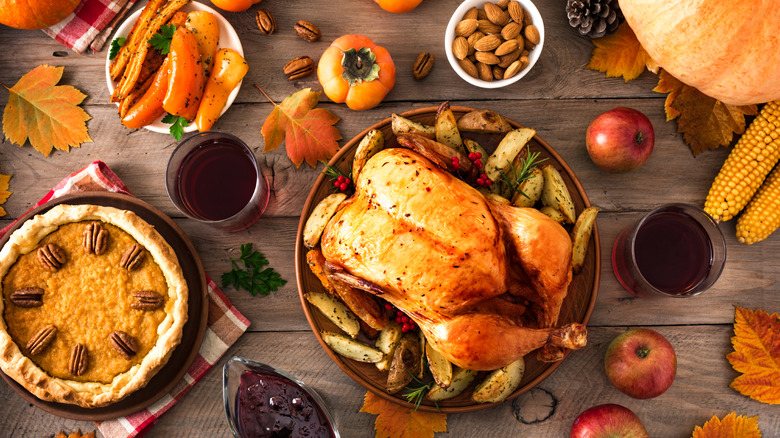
point(577, 306)
point(194, 330)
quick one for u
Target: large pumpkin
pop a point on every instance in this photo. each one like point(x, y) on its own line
point(35, 14)
point(729, 50)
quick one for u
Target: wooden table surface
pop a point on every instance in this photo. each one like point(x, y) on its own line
point(558, 98)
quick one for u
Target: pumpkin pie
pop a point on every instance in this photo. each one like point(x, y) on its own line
point(93, 304)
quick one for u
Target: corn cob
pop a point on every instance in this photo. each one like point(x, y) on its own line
point(754, 155)
point(762, 214)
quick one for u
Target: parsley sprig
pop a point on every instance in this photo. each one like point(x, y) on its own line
point(116, 44)
point(162, 40)
point(515, 176)
point(177, 123)
point(248, 273)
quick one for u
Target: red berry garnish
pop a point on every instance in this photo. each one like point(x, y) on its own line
point(398, 320)
point(472, 156)
point(343, 187)
point(478, 164)
point(340, 179)
point(388, 306)
point(348, 181)
point(336, 184)
point(478, 154)
point(405, 328)
point(405, 318)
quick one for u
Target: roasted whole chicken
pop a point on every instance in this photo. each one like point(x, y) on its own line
point(484, 281)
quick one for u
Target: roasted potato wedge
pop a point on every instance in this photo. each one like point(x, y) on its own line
point(386, 342)
point(498, 198)
point(372, 143)
point(553, 213)
point(350, 348)
point(510, 147)
point(402, 125)
point(441, 368)
point(461, 379)
point(499, 384)
point(529, 192)
point(580, 236)
point(484, 122)
point(556, 194)
point(447, 129)
point(405, 363)
point(335, 311)
point(319, 217)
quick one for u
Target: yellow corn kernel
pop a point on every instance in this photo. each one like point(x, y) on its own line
point(755, 154)
point(762, 214)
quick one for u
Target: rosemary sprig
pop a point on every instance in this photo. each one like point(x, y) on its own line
point(338, 177)
point(516, 176)
point(334, 172)
point(415, 394)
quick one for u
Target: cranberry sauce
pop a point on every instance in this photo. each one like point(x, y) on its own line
point(274, 406)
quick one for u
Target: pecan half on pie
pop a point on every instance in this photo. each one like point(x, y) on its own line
point(94, 303)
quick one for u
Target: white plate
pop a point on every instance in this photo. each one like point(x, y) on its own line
point(228, 39)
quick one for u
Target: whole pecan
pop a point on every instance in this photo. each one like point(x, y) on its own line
point(265, 21)
point(147, 300)
point(124, 344)
point(132, 257)
point(95, 238)
point(423, 65)
point(52, 257)
point(299, 67)
point(41, 339)
point(27, 297)
point(307, 31)
point(77, 365)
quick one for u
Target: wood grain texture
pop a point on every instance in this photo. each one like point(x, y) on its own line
point(558, 98)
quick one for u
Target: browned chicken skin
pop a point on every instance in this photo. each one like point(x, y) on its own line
point(483, 280)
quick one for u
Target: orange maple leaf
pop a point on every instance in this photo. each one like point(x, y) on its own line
point(730, 427)
point(756, 355)
point(620, 54)
point(4, 193)
point(395, 421)
point(307, 132)
point(45, 113)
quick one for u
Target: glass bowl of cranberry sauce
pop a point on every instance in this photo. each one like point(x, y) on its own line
point(263, 401)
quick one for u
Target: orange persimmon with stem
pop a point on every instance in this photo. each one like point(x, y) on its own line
point(355, 71)
point(186, 77)
point(150, 106)
point(398, 5)
point(234, 5)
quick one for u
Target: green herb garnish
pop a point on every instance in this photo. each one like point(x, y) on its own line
point(341, 181)
point(415, 394)
point(515, 176)
point(177, 123)
point(116, 44)
point(162, 40)
point(248, 273)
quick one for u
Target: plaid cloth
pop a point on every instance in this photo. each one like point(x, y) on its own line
point(225, 323)
point(90, 25)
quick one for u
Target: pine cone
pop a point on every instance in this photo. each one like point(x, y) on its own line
point(594, 18)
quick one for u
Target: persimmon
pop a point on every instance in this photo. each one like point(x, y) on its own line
point(398, 5)
point(355, 71)
point(234, 5)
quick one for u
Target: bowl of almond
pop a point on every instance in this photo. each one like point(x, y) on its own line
point(494, 44)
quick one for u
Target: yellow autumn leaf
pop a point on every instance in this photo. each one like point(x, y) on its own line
point(4, 192)
point(620, 54)
point(45, 113)
point(756, 355)
point(395, 421)
point(732, 426)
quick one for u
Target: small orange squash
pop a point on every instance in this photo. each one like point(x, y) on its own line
point(729, 50)
point(35, 14)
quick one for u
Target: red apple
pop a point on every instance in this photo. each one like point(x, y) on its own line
point(641, 363)
point(608, 421)
point(620, 140)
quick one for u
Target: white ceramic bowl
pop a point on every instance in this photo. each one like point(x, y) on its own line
point(228, 38)
point(533, 55)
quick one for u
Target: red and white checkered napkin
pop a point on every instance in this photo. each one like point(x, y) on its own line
point(225, 323)
point(91, 24)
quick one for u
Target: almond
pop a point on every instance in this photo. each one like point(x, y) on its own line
point(469, 67)
point(488, 43)
point(466, 27)
point(472, 40)
point(498, 73)
point(513, 69)
point(488, 27)
point(506, 47)
point(515, 11)
point(503, 4)
point(460, 47)
point(487, 58)
point(531, 34)
point(485, 72)
point(509, 58)
point(511, 30)
point(495, 14)
point(472, 13)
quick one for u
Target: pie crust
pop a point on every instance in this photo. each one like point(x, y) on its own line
point(160, 329)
